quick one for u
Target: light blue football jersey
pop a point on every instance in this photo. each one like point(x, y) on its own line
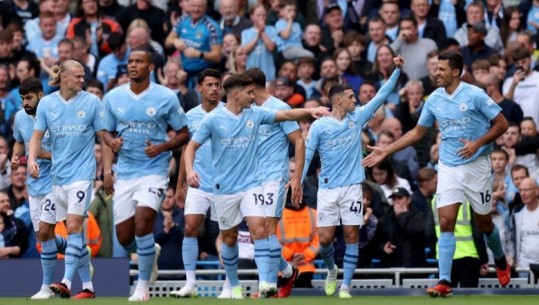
point(234, 145)
point(339, 142)
point(72, 127)
point(273, 141)
point(141, 118)
point(202, 165)
point(464, 115)
point(22, 132)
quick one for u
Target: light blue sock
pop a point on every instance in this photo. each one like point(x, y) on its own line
point(146, 254)
point(72, 254)
point(61, 244)
point(274, 259)
point(48, 260)
point(132, 247)
point(262, 258)
point(327, 252)
point(350, 262)
point(84, 265)
point(494, 243)
point(446, 251)
point(230, 260)
point(190, 253)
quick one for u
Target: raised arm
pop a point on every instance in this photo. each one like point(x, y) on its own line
point(378, 154)
point(382, 94)
point(299, 114)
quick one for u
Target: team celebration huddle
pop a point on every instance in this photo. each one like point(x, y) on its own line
point(235, 162)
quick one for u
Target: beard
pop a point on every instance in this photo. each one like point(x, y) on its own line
point(30, 110)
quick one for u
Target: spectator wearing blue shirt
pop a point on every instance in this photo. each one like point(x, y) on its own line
point(258, 42)
point(199, 38)
point(106, 71)
point(289, 39)
point(46, 45)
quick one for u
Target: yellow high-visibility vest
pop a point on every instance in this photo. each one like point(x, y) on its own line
point(465, 246)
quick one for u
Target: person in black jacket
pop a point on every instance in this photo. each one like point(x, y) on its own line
point(401, 233)
point(168, 233)
point(429, 27)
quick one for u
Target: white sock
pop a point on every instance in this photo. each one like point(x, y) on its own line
point(190, 278)
point(88, 285)
point(287, 272)
point(345, 288)
point(67, 283)
point(226, 285)
point(45, 288)
point(143, 286)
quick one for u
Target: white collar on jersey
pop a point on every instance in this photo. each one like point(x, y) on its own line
point(137, 97)
point(70, 100)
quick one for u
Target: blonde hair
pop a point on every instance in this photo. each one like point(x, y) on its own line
point(57, 71)
point(138, 23)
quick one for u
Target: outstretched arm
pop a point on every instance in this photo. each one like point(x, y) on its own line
point(299, 114)
point(378, 154)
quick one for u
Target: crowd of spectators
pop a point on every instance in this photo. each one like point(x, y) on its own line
point(303, 48)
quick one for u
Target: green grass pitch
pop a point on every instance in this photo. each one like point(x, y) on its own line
point(359, 300)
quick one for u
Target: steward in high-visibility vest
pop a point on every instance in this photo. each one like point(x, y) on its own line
point(470, 251)
point(298, 234)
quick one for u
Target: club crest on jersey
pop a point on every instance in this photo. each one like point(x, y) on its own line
point(151, 111)
point(351, 125)
point(249, 124)
point(463, 107)
point(101, 114)
point(198, 35)
point(81, 114)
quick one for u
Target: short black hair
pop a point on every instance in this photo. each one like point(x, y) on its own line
point(238, 80)
point(115, 40)
point(96, 84)
point(258, 77)
point(31, 84)
point(148, 49)
point(409, 17)
point(33, 63)
point(209, 72)
point(455, 60)
point(338, 89)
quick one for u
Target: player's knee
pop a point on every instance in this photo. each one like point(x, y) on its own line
point(258, 232)
point(325, 240)
point(125, 240)
point(230, 239)
point(190, 230)
point(447, 224)
point(73, 227)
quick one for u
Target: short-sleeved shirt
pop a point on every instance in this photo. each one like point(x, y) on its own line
point(72, 126)
point(234, 145)
point(138, 119)
point(202, 164)
point(201, 36)
point(22, 132)
point(260, 57)
point(339, 142)
point(295, 35)
point(463, 115)
point(273, 150)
